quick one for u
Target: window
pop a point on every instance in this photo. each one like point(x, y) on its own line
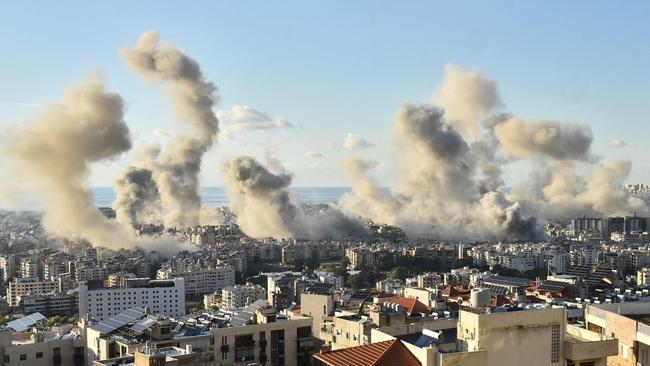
point(23, 356)
point(39, 354)
point(555, 344)
point(6, 358)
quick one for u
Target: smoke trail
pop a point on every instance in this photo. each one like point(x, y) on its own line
point(51, 156)
point(176, 169)
point(137, 200)
point(264, 207)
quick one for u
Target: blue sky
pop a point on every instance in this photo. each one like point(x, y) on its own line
point(336, 67)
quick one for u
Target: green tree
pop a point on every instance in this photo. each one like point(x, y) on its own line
point(399, 273)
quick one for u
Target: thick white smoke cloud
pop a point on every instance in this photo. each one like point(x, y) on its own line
point(450, 158)
point(52, 155)
point(50, 158)
point(176, 170)
point(264, 207)
point(562, 141)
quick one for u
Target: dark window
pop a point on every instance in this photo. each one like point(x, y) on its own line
point(23, 357)
point(6, 358)
point(304, 332)
point(39, 354)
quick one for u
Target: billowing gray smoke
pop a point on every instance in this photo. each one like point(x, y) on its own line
point(450, 163)
point(176, 170)
point(264, 207)
point(50, 156)
point(137, 199)
point(561, 141)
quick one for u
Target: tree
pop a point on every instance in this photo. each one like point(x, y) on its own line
point(399, 273)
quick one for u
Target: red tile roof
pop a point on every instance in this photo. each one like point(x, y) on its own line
point(387, 353)
point(411, 305)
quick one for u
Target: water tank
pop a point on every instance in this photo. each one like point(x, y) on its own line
point(480, 297)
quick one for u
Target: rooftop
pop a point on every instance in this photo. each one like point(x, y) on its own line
point(387, 353)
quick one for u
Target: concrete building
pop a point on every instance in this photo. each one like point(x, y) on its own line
point(57, 303)
point(283, 288)
point(629, 323)
point(161, 296)
point(258, 335)
point(643, 277)
point(149, 356)
point(528, 337)
point(23, 286)
point(55, 347)
point(239, 296)
point(7, 265)
point(199, 281)
point(125, 334)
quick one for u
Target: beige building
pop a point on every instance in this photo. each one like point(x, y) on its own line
point(147, 356)
point(23, 286)
point(643, 277)
point(48, 348)
point(630, 324)
point(527, 337)
point(239, 296)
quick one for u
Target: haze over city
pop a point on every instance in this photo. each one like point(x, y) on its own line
point(368, 183)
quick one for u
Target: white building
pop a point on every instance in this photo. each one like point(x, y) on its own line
point(161, 296)
point(239, 296)
point(331, 278)
point(199, 281)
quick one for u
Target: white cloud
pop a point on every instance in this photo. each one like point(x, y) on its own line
point(355, 141)
point(241, 117)
point(312, 154)
point(617, 143)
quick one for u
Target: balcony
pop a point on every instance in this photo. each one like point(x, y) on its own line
point(582, 344)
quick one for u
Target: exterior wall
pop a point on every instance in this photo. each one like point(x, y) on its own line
point(226, 337)
point(22, 286)
point(476, 358)
point(202, 281)
point(349, 333)
point(54, 352)
point(515, 338)
point(235, 297)
point(104, 303)
point(318, 307)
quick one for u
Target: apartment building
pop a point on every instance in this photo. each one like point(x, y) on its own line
point(628, 322)
point(31, 285)
point(201, 280)
point(239, 296)
point(161, 296)
point(537, 336)
point(53, 347)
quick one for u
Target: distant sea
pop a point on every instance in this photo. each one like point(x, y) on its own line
point(216, 196)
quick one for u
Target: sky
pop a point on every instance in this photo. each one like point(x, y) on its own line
point(315, 72)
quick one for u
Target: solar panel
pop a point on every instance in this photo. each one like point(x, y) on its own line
point(242, 317)
point(320, 288)
point(554, 286)
point(111, 324)
point(23, 324)
point(507, 281)
point(495, 290)
point(361, 295)
point(426, 341)
point(143, 325)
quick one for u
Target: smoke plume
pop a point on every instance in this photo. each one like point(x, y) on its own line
point(137, 200)
point(52, 154)
point(450, 159)
point(176, 170)
point(264, 207)
point(561, 141)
